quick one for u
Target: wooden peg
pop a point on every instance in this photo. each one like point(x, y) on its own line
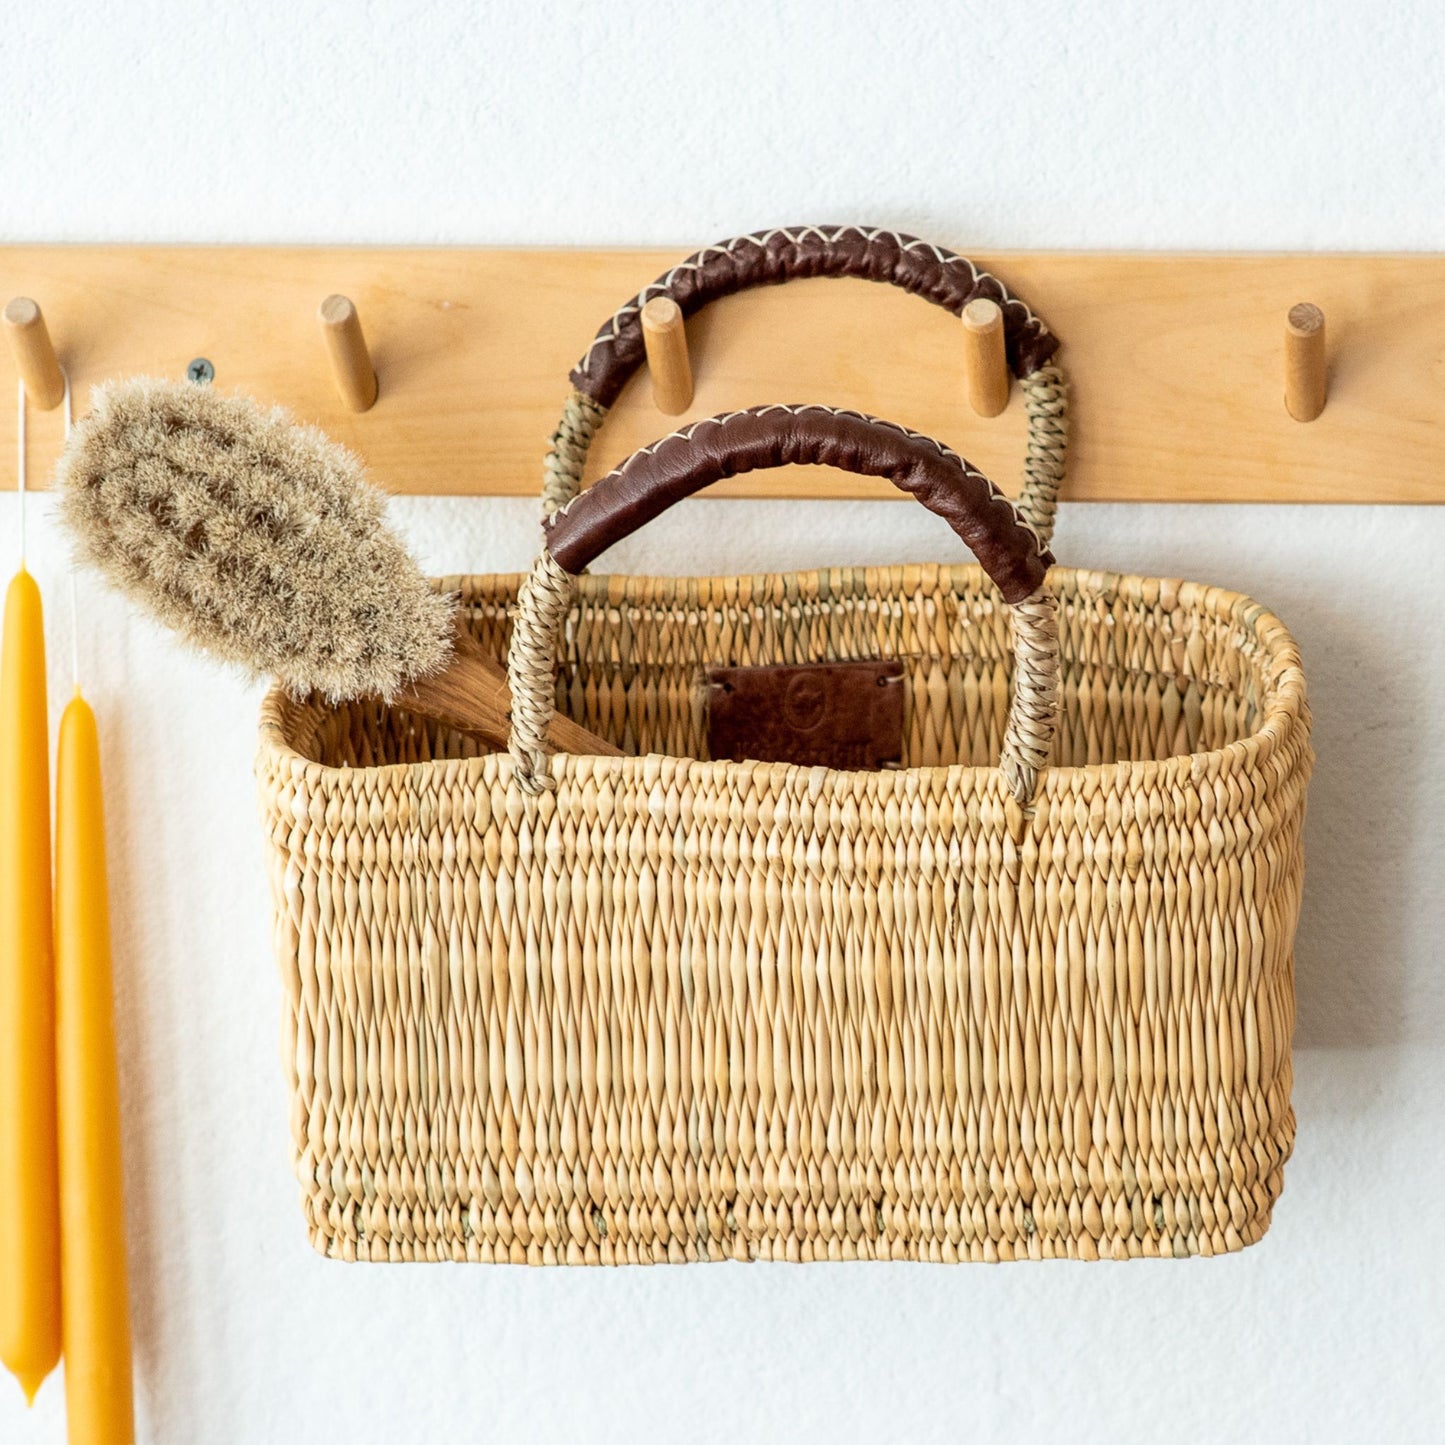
point(350, 360)
point(34, 355)
point(664, 334)
point(1304, 361)
point(985, 363)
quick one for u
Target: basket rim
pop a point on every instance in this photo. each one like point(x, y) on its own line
point(1286, 713)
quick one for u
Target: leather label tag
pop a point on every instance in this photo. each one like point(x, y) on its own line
point(822, 714)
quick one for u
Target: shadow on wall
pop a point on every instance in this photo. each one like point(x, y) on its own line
point(1366, 869)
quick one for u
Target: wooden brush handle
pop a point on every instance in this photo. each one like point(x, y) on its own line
point(471, 695)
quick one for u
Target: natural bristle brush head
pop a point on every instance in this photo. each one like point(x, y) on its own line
point(259, 540)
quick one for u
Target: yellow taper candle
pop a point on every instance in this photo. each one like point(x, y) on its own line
point(29, 1192)
point(94, 1284)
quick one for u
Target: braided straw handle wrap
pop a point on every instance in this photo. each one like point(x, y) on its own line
point(788, 253)
point(684, 462)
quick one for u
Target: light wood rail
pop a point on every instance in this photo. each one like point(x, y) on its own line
point(1176, 361)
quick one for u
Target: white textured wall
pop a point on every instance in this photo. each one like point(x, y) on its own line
point(1134, 125)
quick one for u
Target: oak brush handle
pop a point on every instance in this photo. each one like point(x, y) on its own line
point(471, 695)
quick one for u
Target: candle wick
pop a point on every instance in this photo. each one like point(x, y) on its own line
point(20, 466)
point(74, 604)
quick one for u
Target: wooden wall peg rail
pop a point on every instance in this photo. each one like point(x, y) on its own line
point(350, 360)
point(34, 354)
point(1174, 361)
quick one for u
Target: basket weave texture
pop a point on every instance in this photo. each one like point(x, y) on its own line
point(676, 1009)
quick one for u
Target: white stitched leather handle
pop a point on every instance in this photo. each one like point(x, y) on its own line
point(786, 253)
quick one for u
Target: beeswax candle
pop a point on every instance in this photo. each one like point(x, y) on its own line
point(94, 1285)
point(29, 1201)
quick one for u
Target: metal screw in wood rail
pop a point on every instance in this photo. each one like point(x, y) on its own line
point(664, 334)
point(985, 364)
point(34, 355)
point(350, 360)
point(1304, 361)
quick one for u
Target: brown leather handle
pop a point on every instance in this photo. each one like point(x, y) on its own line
point(651, 480)
point(769, 257)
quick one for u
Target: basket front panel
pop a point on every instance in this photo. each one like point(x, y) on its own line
point(685, 1010)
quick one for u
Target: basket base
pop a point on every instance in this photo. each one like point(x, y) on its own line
point(609, 1247)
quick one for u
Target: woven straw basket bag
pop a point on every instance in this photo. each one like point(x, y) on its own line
point(1026, 993)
